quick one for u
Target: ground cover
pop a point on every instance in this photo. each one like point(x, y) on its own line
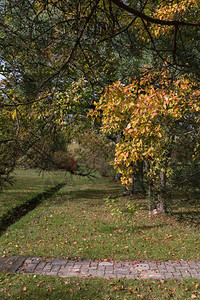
point(76, 223)
point(27, 183)
point(18, 286)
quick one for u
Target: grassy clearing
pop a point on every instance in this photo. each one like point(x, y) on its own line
point(76, 223)
point(42, 287)
point(27, 183)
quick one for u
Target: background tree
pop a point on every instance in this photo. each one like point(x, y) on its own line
point(96, 151)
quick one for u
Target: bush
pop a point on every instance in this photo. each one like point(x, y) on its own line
point(62, 160)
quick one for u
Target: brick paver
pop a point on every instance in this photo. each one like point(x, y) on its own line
point(98, 268)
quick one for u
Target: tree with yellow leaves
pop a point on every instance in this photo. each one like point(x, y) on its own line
point(157, 118)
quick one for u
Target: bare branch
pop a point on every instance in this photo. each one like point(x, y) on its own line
point(23, 103)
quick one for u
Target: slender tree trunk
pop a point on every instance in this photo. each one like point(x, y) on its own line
point(161, 196)
point(151, 192)
point(138, 186)
point(117, 176)
point(137, 177)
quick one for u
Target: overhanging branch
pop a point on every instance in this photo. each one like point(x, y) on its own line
point(75, 45)
point(149, 19)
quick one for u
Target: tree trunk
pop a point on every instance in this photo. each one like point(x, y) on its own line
point(117, 176)
point(138, 186)
point(137, 177)
point(161, 206)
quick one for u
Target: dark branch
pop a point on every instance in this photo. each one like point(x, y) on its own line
point(149, 19)
point(124, 29)
point(75, 45)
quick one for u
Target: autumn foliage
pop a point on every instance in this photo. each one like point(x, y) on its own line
point(157, 117)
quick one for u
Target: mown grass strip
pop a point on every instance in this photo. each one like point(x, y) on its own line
point(18, 286)
point(19, 211)
point(76, 223)
point(27, 184)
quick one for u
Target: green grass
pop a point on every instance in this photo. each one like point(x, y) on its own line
point(76, 223)
point(27, 183)
point(18, 286)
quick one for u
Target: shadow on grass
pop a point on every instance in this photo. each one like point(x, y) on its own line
point(185, 209)
point(16, 213)
point(111, 228)
point(94, 194)
point(142, 228)
point(192, 217)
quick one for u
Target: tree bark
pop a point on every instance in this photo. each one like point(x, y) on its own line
point(138, 186)
point(161, 206)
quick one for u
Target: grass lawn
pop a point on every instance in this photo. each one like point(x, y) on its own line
point(27, 183)
point(17, 286)
point(76, 223)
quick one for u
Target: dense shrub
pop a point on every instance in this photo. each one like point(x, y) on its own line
point(62, 160)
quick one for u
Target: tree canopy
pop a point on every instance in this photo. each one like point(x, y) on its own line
point(56, 56)
point(159, 122)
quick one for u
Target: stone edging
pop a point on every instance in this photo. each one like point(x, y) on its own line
point(98, 268)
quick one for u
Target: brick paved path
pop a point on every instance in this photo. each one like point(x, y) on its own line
point(106, 269)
